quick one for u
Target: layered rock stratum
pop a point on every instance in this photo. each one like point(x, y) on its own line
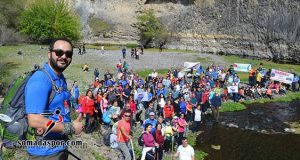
point(257, 28)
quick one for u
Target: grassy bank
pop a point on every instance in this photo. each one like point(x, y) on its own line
point(144, 73)
point(233, 106)
point(291, 96)
point(13, 65)
point(115, 46)
point(170, 50)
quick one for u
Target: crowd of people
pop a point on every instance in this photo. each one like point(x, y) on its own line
point(168, 106)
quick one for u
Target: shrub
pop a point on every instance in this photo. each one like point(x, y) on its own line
point(47, 19)
point(151, 29)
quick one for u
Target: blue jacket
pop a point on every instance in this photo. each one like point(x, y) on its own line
point(216, 101)
point(182, 106)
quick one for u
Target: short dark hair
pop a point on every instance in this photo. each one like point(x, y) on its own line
point(53, 41)
point(183, 138)
point(147, 125)
point(114, 101)
point(127, 111)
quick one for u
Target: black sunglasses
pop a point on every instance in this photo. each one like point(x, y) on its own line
point(59, 53)
point(127, 115)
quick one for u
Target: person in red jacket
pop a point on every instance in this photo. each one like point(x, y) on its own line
point(132, 108)
point(205, 102)
point(88, 109)
point(96, 83)
point(168, 110)
point(159, 138)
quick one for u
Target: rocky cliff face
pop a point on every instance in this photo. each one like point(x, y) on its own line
point(259, 28)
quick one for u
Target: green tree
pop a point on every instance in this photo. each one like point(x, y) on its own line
point(151, 29)
point(47, 19)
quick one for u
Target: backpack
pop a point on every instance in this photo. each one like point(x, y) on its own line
point(141, 140)
point(14, 107)
point(106, 119)
point(106, 137)
point(150, 155)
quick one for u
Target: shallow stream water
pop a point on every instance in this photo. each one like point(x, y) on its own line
point(257, 133)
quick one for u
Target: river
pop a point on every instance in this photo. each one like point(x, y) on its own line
point(257, 133)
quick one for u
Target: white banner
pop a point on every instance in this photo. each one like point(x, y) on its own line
point(142, 96)
point(233, 89)
point(242, 67)
point(281, 76)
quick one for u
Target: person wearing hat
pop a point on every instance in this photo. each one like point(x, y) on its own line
point(149, 110)
point(152, 121)
point(97, 82)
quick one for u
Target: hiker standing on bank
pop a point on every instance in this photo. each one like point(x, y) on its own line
point(102, 49)
point(36, 98)
point(132, 52)
point(142, 48)
point(75, 95)
point(124, 52)
point(137, 54)
point(79, 50)
point(123, 134)
point(96, 73)
point(83, 49)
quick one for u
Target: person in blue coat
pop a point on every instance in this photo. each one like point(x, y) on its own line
point(152, 121)
point(216, 103)
point(182, 106)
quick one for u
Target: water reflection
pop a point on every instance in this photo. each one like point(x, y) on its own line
point(260, 134)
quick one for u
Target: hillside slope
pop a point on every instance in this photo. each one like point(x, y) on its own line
point(258, 28)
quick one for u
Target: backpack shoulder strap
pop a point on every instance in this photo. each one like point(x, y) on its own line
point(53, 86)
point(51, 97)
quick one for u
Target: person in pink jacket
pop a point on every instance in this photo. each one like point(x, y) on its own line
point(149, 142)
